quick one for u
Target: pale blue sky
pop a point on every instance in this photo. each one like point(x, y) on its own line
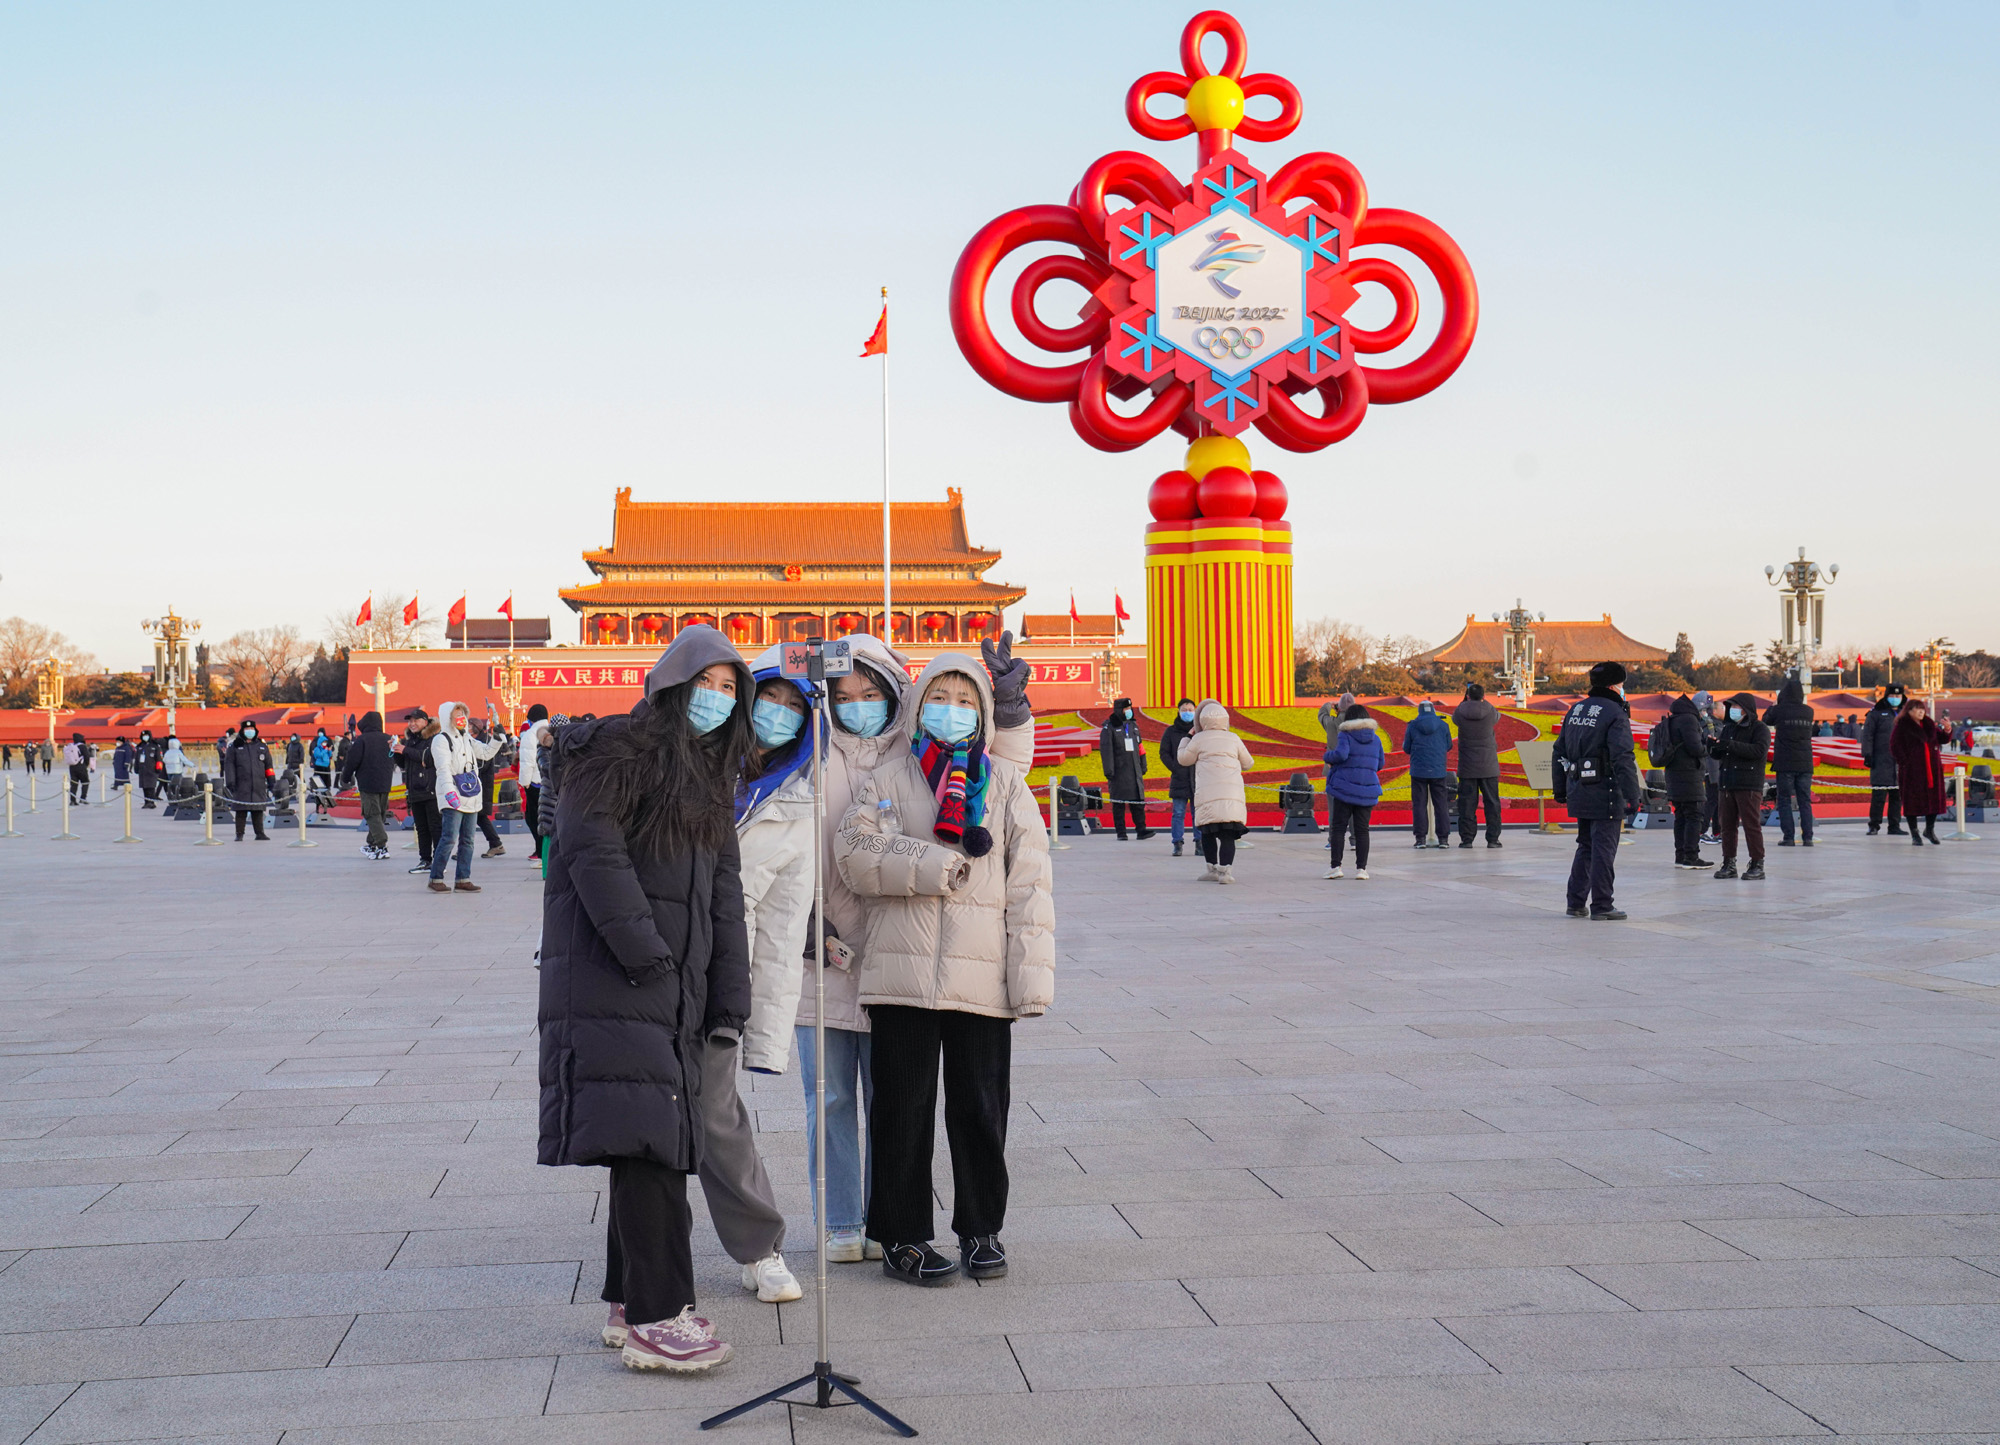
point(434, 280)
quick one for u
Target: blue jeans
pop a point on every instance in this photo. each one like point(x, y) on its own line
point(1794, 785)
point(1183, 809)
point(453, 824)
point(847, 1054)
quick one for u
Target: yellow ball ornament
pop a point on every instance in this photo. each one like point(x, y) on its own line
point(1215, 102)
point(1205, 454)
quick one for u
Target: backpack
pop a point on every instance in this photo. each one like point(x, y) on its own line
point(1660, 746)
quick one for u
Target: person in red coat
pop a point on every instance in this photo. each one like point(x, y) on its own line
point(1919, 769)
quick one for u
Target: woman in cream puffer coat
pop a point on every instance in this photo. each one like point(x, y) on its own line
point(959, 942)
point(1221, 807)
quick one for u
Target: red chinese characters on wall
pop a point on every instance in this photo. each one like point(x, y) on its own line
point(580, 675)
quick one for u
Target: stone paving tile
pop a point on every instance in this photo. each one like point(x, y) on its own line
point(1532, 1244)
point(1928, 1234)
point(279, 1296)
point(1680, 1202)
point(1351, 1349)
point(1400, 1294)
point(1674, 1339)
point(1169, 1415)
point(1752, 1284)
point(23, 1408)
point(516, 1331)
point(1965, 1332)
point(158, 1350)
point(1885, 1398)
point(770, 1426)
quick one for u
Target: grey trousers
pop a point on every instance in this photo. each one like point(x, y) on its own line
point(740, 1200)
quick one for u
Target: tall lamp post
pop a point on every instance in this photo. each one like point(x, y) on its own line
point(1933, 671)
point(1517, 667)
point(173, 667)
point(49, 692)
point(1802, 610)
point(509, 665)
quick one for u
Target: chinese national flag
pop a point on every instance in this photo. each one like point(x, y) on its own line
point(456, 617)
point(410, 611)
point(1073, 617)
point(367, 613)
point(506, 608)
point(878, 340)
point(1118, 607)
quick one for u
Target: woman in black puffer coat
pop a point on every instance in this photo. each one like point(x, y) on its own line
point(645, 964)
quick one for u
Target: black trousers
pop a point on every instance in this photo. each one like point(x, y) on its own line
point(977, 1053)
point(1711, 805)
point(253, 816)
point(79, 783)
point(1343, 818)
point(1470, 792)
point(1217, 850)
point(1687, 831)
point(1744, 806)
point(1893, 797)
point(1594, 868)
point(425, 811)
point(648, 1242)
point(1118, 816)
point(1427, 798)
point(531, 811)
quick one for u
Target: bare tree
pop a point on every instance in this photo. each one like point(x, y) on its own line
point(264, 659)
point(386, 629)
point(24, 645)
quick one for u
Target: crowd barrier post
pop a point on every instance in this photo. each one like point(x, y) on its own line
point(65, 836)
point(299, 807)
point(33, 805)
point(1055, 837)
point(128, 838)
point(12, 831)
point(104, 790)
point(1959, 776)
point(208, 816)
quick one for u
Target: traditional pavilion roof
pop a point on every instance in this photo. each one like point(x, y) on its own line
point(1055, 626)
point(764, 534)
point(732, 593)
point(1555, 643)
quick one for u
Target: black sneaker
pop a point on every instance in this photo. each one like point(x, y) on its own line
point(1465, 842)
point(1701, 862)
point(1576, 913)
point(1421, 843)
point(918, 1264)
point(1177, 850)
point(1805, 842)
point(1874, 830)
point(1786, 843)
point(1610, 915)
point(1145, 833)
point(982, 1257)
point(1493, 842)
point(1727, 870)
point(1754, 873)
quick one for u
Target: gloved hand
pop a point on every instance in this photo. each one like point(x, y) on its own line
point(1010, 681)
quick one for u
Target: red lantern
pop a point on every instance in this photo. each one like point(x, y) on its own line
point(935, 621)
point(738, 626)
point(651, 624)
point(1226, 492)
point(1172, 497)
point(849, 622)
point(1271, 496)
point(978, 621)
point(605, 624)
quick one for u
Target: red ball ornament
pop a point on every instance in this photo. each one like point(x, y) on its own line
point(1172, 497)
point(1226, 492)
point(1271, 496)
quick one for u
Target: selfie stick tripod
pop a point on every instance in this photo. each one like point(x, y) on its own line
point(824, 1378)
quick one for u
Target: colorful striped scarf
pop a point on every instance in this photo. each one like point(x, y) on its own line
point(957, 774)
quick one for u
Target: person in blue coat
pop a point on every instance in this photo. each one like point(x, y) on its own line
point(1427, 741)
point(1353, 786)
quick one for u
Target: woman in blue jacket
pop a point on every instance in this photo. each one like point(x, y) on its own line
point(1353, 786)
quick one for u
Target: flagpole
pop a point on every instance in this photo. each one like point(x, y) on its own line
point(888, 618)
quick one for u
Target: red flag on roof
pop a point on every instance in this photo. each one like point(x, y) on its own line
point(878, 339)
point(1118, 608)
point(456, 617)
point(507, 607)
point(410, 611)
point(1073, 617)
point(367, 613)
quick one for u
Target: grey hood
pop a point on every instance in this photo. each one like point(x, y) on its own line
point(695, 650)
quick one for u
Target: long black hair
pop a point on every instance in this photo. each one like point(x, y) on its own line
point(672, 790)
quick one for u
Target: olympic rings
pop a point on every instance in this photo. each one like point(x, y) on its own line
point(1229, 342)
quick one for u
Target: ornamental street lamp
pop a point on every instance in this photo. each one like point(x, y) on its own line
point(1517, 666)
point(173, 668)
point(49, 693)
point(1802, 610)
point(1933, 671)
point(508, 668)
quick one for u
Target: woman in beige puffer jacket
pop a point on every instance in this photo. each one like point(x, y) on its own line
point(959, 942)
point(1221, 808)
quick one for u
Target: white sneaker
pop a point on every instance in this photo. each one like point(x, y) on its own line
point(871, 1249)
point(845, 1246)
point(1362, 874)
point(1334, 873)
point(772, 1281)
point(1227, 873)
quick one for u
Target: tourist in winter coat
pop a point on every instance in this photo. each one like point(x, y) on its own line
point(1353, 787)
point(1221, 807)
point(947, 848)
point(528, 772)
point(645, 966)
point(146, 763)
point(1597, 779)
point(246, 777)
point(1741, 745)
point(1684, 764)
point(1915, 744)
point(122, 758)
point(1123, 754)
point(1790, 720)
point(413, 756)
point(1711, 769)
point(775, 838)
point(371, 767)
point(77, 758)
point(1180, 779)
point(1478, 765)
point(456, 755)
point(173, 761)
point(1427, 744)
point(1878, 729)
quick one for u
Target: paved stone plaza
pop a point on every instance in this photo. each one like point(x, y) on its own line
point(1412, 1159)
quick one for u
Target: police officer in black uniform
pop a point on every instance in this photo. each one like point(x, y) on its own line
point(1597, 777)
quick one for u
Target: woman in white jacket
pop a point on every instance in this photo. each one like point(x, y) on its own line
point(457, 755)
point(945, 844)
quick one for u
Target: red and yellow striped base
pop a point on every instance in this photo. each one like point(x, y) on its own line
point(1219, 611)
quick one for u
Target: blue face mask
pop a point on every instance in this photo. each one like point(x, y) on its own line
point(709, 709)
point(1187, 714)
point(776, 724)
point(949, 723)
point(1736, 714)
point(863, 719)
